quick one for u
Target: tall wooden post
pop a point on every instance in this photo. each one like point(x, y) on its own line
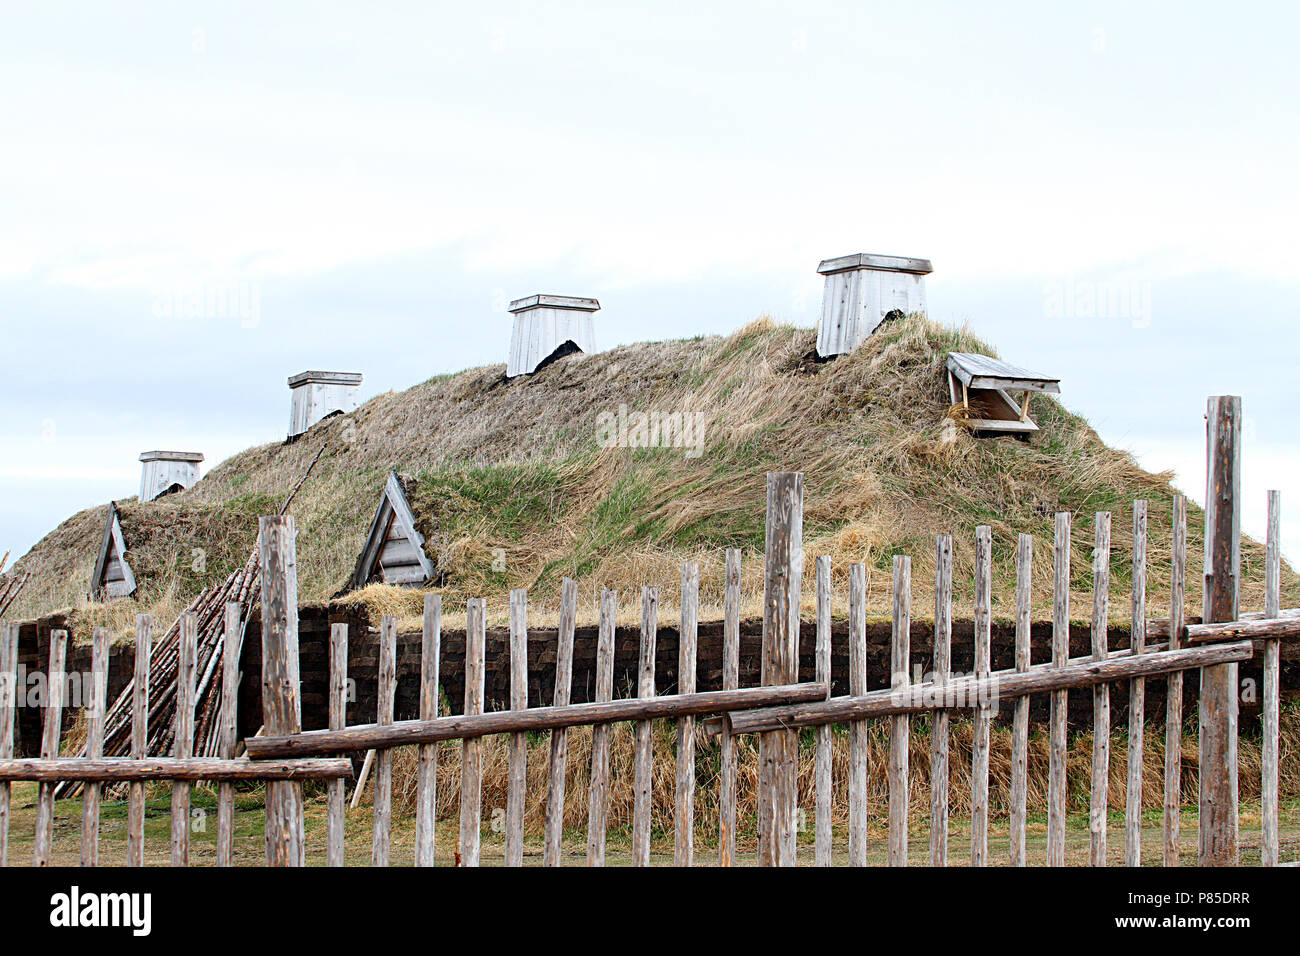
point(281, 707)
point(778, 751)
point(1218, 697)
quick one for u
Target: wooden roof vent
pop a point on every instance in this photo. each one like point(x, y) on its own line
point(112, 577)
point(315, 395)
point(861, 291)
point(165, 472)
point(394, 550)
point(547, 327)
point(980, 388)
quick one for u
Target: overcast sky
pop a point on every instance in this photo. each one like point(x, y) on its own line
point(1107, 194)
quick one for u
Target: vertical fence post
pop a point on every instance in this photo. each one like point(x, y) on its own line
point(281, 706)
point(43, 845)
point(183, 742)
point(8, 698)
point(338, 718)
point(1268, 847)
point(939, 732)
point(857, 728)
point(598, 793)
point(900, 724)
point(471, 752)
point(684, 822)
point(228, 723)
point(1098, 804)
point(1058, 756)
point(778, 751)
point(822, 847)
point(94, 745)
point(517, 770)
point(979, 776)
point(386, 694)
point(730, 681)
point(1174, 692)
point(643, 769)
point(560, 737)
point(1020, 722)
point(1136, 692)
point(139, 737)
point(1218, 697)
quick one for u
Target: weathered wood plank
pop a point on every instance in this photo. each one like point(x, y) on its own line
point(684, 806)
point(939, 738)
point(459, 726)
point(338, 718)
point(730, 681)
point(43, 845)
point(381, 829)
point(139, 737)
point(183, 742)
point(643, 768)
point(1174, 694)
point(281, 687)
point(228, 739)
point(1020, 720)
point(1136, 692)
point(426, 795)
point(973, 692)
point(598, 794)
point(188, 769)
point(979, 798)
point(1097, 805)
point(1058, 754)
point(95, 707)
point(518, 767)
point(471, 755)
point(858, 729)
point(1270, 719)
point(778, 750)
point(560, 736)
point(1218, 696)
point(823, 835)
point(8, 701)
point(900, 724)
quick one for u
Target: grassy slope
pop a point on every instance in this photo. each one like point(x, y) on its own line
point(517, 466)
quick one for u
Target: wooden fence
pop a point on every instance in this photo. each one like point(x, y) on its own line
point(776, 710)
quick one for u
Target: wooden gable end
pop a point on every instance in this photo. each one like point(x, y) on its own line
point(394, 550)
point(112, 577)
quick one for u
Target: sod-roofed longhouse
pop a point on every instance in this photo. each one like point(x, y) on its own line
point(515, 488)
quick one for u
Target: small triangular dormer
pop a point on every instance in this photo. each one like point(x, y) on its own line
point(394, 551)
point(112, 577)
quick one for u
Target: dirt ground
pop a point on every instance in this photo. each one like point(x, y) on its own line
point(249, 847)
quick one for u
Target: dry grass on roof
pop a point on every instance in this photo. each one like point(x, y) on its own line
point(512, 486)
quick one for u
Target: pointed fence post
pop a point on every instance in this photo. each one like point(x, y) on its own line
point(1218, 697)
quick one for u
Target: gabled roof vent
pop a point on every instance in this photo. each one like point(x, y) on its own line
point(547, 326)
point(166, 471)
point(112, 577)
point(394, 550)
point(861, 291)
point(315, 395)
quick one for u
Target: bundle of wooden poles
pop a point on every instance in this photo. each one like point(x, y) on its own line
point(243, 587)
point(10, 585)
